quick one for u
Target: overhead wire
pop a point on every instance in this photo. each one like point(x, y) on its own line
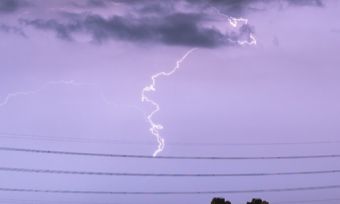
point(270, 190)
point(97, 173)
point(131, 156)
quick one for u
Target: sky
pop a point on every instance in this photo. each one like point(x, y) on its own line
point(72, 74)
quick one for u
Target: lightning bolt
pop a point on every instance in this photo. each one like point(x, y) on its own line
point(156, 127)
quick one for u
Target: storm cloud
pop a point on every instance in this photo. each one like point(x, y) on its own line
point(175, 29)
point(179, 23)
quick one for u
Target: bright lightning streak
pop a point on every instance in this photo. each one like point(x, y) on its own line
point(156, 127)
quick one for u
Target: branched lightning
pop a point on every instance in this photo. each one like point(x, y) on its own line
point(156, 127)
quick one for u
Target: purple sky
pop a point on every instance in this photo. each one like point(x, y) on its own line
point(286, 89)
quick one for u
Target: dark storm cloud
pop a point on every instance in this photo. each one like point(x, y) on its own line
point(176, 29)
point(10, 6)
point(155, 21)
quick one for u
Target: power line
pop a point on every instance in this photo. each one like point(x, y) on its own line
point(252, 144)
point(90, 154)
point(272, 190)
point(127, 142)
point(93, 173)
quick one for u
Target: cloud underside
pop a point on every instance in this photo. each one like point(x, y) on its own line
point(176, 29)
point(167, 24)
